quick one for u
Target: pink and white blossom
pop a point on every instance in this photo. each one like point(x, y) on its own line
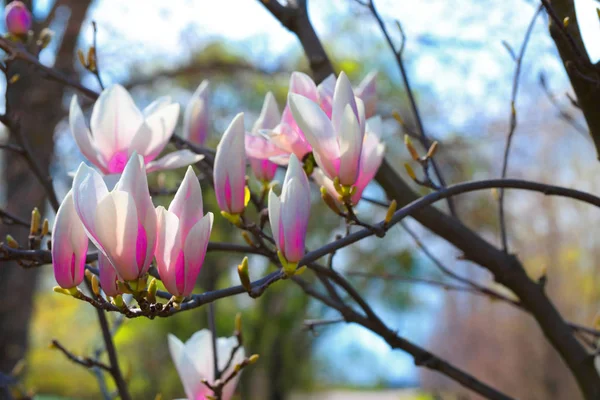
point(122, 222)
point(258, 148)
point(336, 142)
point(196, 117)
point(370, 160)
point(194, 363)
point(182, 232)
point(118, 129)
point(289, 213)
point(230, 168)
point(69, 245)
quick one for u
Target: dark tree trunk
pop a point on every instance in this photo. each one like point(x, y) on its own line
point(37, 103)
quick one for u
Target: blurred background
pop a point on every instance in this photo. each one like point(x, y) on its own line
point(462, 74)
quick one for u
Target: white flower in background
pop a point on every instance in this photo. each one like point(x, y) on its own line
point(194, 362)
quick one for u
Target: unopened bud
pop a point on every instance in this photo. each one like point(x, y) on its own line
point(69, 292)
point(411, 149)
point(45, 38)
point(248, 239)
point(398, 118)
point(81, 58)
point(243, 274)
point(152, 287)
point(390, 212)
point(410, 171)
point(13, 79)
point(566, 21)
point(328, 199)
point(11, 242)
point(247, 196)
point(45, 228)
point(252, 359)
point(91, 59)
point(238, 322)
point(432, 149)
point(36, 218)
point(118, 301)
point(95, 285)
point(17, 18)
point(496, 194)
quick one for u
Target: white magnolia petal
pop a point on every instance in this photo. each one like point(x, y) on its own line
point(351, 139)
point(195, 119)
point(194, 248)
point(224, 348)
point(168, 247)
point(115, 120)
point(117, 229)
point(315, 124)
point(156, 105)
point(302, 84)
point(269, 115)
point(174, 160)
point(190, 377)
point(162, 123)
point(187, 203)
point(88, 190)
point(82, 135)
point(230, 167)
point(199, 349)
point(274, 208)
point(342, 96)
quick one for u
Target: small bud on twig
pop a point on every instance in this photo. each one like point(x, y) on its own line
point(329, 201)
point(432, 149)
point(152, 287)
point(410, 171)
point(390, 212)
point(243, 274)
point(11, 242)
point(36, 218)
point(411, 149)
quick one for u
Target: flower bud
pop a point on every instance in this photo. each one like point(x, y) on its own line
point(17, 18)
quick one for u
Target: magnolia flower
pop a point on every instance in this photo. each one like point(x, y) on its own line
point(370, 161)
point(195, 120)
point(121, 223)
point(588, 23)
point(288, 136)
point(182, 237)
point(258, 148)
point(288, 215)
point(69, 245)
point(230, 169)
point(119, 128)
point(17, 18)
point(337, 143)
point(194, 362)
point(108, 276)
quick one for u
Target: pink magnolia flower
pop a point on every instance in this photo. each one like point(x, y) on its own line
point(182, 237)
point(194, 362)
point(370, 161)
point(230, 168)
point(17, 18)
point(337, 143)
point(119, 128)
point(195, 120)
point(108, 276)
point(69, 245)
point(258, 148)
point(288, 214)
point(288, 136)
point(121, 223)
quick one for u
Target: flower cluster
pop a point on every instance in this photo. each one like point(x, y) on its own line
point(323, 133)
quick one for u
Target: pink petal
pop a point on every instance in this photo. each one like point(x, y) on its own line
point(194, 250)
point(187, 203)
point(196, 118)
point(230, 168)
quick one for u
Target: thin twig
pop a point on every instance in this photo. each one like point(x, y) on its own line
point(84, 361)
point(424, 139)
point(513, 123)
